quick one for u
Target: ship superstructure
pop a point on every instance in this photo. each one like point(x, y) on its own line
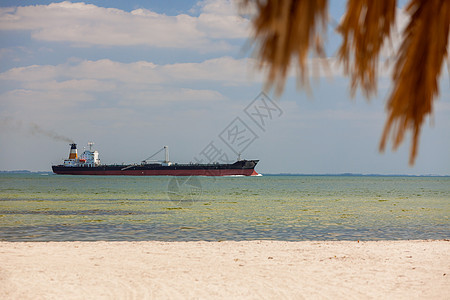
point(88, 158)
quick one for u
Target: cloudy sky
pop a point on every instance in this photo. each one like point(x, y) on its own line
point(132, 76)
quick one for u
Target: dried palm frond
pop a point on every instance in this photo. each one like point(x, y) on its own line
point(417, 69)
point(364, 28)
point(285, 29)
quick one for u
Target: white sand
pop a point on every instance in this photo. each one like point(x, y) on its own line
point(204, 270)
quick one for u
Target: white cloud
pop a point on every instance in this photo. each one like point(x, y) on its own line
point(39, 105)
point(227, 70)
point(30, 73)
point(71, 85)
point(220, 19)
point(162, 97)
point(217, 7)
point(224, 70)
point(80, 87)
point(86, 24)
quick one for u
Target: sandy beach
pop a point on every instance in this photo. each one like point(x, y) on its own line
point(245, 270)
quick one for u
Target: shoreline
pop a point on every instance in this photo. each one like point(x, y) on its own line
point(244, 269)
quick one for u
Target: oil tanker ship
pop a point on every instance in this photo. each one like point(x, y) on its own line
point(89, 164)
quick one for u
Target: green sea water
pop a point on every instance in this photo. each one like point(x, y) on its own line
point(35, 207)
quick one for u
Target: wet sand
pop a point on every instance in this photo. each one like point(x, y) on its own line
point(208, 270)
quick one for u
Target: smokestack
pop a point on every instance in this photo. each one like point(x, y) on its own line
point(73, 151)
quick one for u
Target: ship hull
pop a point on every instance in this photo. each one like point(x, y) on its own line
point(243, 168)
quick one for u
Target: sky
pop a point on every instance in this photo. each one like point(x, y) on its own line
point(133, 76)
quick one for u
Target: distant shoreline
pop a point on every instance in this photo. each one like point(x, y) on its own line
point(25, 172)
point(273, 174)
point(353, 175)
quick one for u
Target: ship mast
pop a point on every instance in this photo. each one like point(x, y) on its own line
point(166, 149)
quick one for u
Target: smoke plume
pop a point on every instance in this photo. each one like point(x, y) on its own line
point(31, 128)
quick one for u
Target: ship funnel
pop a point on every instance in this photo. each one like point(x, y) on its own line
point(73, 151)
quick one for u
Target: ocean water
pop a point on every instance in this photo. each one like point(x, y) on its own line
point(35, 207)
